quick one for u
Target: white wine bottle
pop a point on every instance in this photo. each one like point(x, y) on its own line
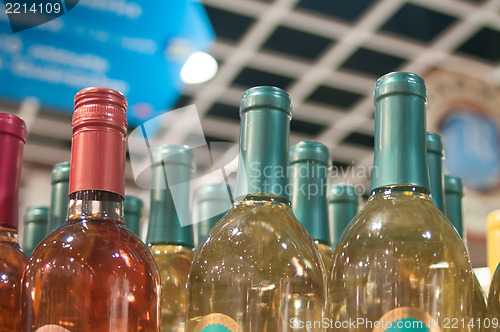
point(342, 208)
point(308, 165)
point(258, 269)
point(453, 189)
point(400, 265)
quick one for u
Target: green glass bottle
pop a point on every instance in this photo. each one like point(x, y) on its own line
point(308, 172)
point(435, 155)
point(260, 271)
point(214, 201)
point(453, 188)
point(59, 196)
point(36, 220)
point(170, 242)
point(494, 302)
point(132, 208)
point(400, 261)
point(343, 207)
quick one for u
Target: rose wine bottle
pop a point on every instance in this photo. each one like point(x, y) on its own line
point(132, 207)
point(453, 189)
point(12, 259)
point(400, 262)
point(170, 233)
point(258, 270)
point(214, 200)
point(343, 207)
point(59, 196)
point(36, 219)
point(494, 302)
point(435, 155)
point(92, 274)
point(309, 162)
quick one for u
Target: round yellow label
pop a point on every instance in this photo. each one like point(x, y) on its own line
point(217, 323)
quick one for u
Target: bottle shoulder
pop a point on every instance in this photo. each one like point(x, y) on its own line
point(86, 244)
point(263, 239)
point(12, 259)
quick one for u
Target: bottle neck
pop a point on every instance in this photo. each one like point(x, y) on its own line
point(10, 179)
point(170, 217)
point(342, 213)
point(264, 135)
point(400, 189)
point(400, 136)
point(88, 205)
point(309, 198)
point(58, 205)
point(454, 211)
point(252, 200)
point(436, 178)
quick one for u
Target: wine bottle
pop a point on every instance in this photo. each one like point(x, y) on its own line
point(59, 196)
point(171, 243)
point(308, 164)
point(92, 274)
point(494, 302)
point(435, 155)
point(12, 259)
point(36, 219)
point(214, 200)
point(132, 207)
point(343, 207)
point(400, 263)
point(453, 189)
point(259, 270)
point(493, 239)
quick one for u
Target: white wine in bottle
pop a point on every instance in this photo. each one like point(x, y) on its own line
point(258, 269)
point(400, 265)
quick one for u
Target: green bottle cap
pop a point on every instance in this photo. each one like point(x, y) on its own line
point(400, 129)
point(264, 133)
point(170, 217)
point(132, 208)
point(343, 207)
point(59, 196)
point(35, 227)
point(214, 201)
point(435, 155)
point(453, 189)
point(309, 163)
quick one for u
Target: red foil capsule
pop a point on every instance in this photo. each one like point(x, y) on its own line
point(100, 116)
point(12, 140)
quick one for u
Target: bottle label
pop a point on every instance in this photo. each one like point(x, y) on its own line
point(52, 328)
point(217, 323)
point(406, 319)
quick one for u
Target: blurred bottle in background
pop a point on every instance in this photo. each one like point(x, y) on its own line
point(12, 260)
point(214, 202)
point(343, 207)
point(59, 196)
point(308, 167)
point(170, 233)
point(132, 208)
point(36, 219)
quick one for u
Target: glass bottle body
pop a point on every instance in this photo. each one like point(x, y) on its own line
point(401, 259)
point(326, 253)
point(92, 275)
point(494, 301)
point(12, 265)
point(259, 267)
point(174, 263)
